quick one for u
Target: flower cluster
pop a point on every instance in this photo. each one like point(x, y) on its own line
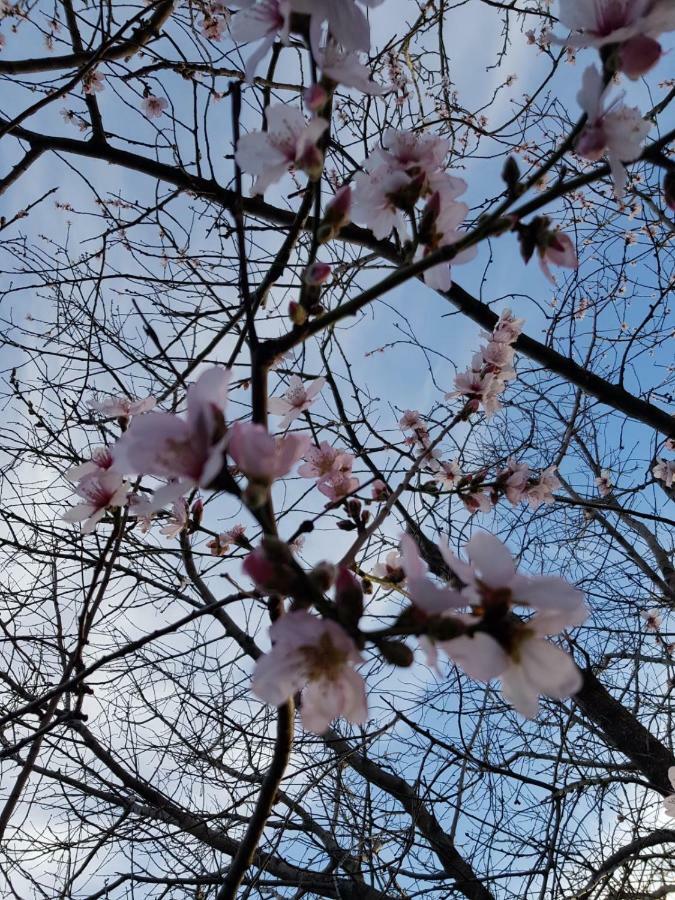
point(473, 623)
point(188, 451)
point(332, 469)
point(491, 367)
point(408, 168)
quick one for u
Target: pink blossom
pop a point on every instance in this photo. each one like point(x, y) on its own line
point(414, 152)
point(542, 490)
point(343, 67)
point(337, 214)
point(442, 231)
point(379, 490)
point(516, 478)
point(508, 328)
point(491, 579)
point(604, 483)
point(447, 474)
point(289, 142)
point(338, 485)
point(264, 21)
point(92, 83)
point(178, 520)
point(558, 249)
point(100, 461)
point(425, 594)
point(315, 97)
point(222, 542)
point(296, 400)
point(631, 24)
point(476, 500)
point(315, 656)
point(190, 449)
point(484, 388)
point(527, 664)
point(261, 456)
point(100, 491)
point(664, 470)
point(317, 273)
point(325, 461)
point(651, 618)
point(122, 407)
point(375, 202)
point(614, 129)
point(345, 21)
point(392, 569)
point(153, 107)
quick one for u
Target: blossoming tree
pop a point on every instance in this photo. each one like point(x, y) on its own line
point(337, 540)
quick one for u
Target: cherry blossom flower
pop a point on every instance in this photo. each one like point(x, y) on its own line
point(153, 107)
point(527, 664)
point(343, 67)
point(346, 22)
point(122, 407)
point(317, 273)
point(336, 215)
point(516, 479)
point(179, 519)
point(447, 474)
point(425, 594)
point(379, 490)
point(188, 450)
point(92, 83)
point(215, 21)
point(375, 201)
point(481, 388)
point(100, 461)
point(325, 461)
point(100, 491)
point(296, 400)
point(631, 24)
point(315, 656)
point(391, 569)
point(542, 490)
point(669, 801)
point(664, 470)
point(220, 544)
point(289, 142)
point(651, 618)
point(558, 250)
point(442, 230)
point(614, 129)
point(261, 456)
point(264, 21)
point(338, 485)
point(476, 500)
point(604, 483)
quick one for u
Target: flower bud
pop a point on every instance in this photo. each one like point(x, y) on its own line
point(197, 513)
point(297, 313)
point(317, 273)
point(311, 162)
point(348, 597)
point(270, 567)
point(380, 490)
point(315, 97)
point(638, 54)
point(336, 216)
point(396, 653)
point(323, 574)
